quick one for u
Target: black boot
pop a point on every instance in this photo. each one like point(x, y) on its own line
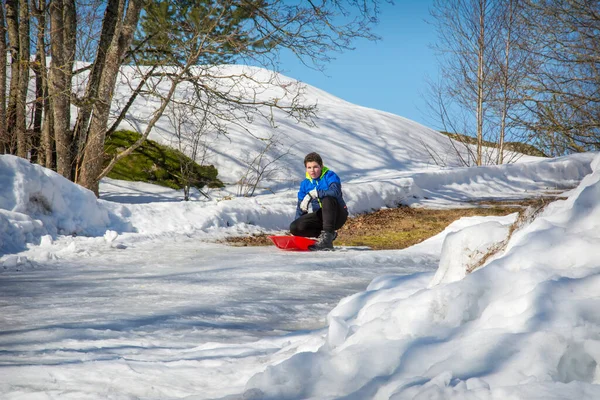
point(325, 242)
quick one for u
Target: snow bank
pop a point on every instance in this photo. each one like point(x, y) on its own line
point(524, 326)
point(35, 201)
point(463, 250)
point(274, 212)
point(448, 188)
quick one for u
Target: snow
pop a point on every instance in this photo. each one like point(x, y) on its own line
point(35, 201)
point(524, 326)
point(132, 296)
point(463, 249)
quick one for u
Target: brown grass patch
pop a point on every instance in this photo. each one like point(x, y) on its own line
point(398, 228)
point(403, 227)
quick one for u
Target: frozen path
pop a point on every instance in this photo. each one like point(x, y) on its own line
point(171, 318)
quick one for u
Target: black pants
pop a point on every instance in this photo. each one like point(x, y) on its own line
point(330, 217)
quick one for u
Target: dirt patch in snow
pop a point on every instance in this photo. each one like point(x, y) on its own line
point(398, 228)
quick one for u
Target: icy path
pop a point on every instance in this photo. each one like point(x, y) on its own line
point(170, 318)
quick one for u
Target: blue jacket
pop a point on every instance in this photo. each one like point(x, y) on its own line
point(328, 184)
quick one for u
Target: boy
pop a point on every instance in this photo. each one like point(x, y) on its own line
point(322, 190)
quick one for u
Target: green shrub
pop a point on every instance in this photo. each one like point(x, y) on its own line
point(155, 163)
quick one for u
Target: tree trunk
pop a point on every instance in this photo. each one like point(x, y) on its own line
point(21, 112)
point(12, 22)
point(80, 133)
point(505, 83)
point(48, 142)
point(93, 158)
point(480, 80)
point(62, 34)
point(38, 151)
point(3, 132)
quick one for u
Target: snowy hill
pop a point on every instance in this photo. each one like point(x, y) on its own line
point(385, 143)
point(129, 296)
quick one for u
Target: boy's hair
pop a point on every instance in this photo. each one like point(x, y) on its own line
point(313, 157)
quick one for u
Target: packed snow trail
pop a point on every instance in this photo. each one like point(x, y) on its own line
point(170, 318)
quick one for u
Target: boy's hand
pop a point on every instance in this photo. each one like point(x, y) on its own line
point(305, 202)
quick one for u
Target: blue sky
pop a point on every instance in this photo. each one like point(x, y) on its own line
point(389, 74)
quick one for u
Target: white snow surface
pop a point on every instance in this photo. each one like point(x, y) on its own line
point(132, 296)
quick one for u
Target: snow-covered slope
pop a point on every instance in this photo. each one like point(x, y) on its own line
point(383, 143)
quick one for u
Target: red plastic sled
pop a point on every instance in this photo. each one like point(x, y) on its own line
point(294, 243)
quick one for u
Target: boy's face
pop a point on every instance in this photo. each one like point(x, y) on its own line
point(313, 169)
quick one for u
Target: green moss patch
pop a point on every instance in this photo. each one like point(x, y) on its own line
point(157, 164)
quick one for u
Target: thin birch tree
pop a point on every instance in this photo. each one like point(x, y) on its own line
point(563, 100)
point(514, 64)
point(467, 44)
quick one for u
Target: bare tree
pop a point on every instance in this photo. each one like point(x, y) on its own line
point(40, 140)
point(512, 66)
point(451, 117)
point(90, 17)
point(12, 23)
point(262, 166)
point(62, 43)
point(89, 98)
point(540, 75)
point(563, 97)
point(191, 132)
point(126, 17)
point(17, 20)
point(468, 33)
point(23, 81)
point(4, 139)
point(481, 10)
point(504, 78)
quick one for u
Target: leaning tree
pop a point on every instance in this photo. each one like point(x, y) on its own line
point(163, 45)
